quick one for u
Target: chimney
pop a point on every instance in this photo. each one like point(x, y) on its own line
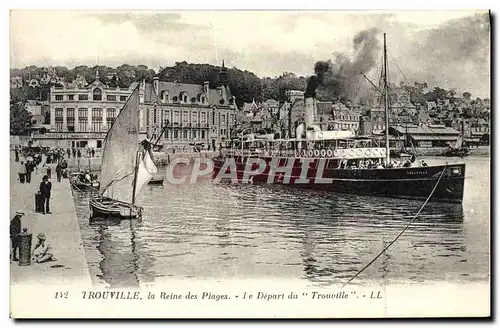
point(156, 85)
point(206, 86)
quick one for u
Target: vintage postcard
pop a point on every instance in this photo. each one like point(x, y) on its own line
point(249, 164)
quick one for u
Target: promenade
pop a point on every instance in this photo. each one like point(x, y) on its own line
point(61, 229)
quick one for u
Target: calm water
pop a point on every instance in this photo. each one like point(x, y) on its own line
point(235, 231)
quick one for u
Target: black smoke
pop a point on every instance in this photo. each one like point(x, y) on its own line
point(339, 78)
point(320, 69)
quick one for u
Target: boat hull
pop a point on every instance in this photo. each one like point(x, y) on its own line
point(412, 182)
point(107, 207)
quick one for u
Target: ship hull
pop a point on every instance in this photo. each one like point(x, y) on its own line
point(411, 183)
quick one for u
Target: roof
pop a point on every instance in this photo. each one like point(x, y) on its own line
point(435, 138)
point(193, 91)
point(271, 103)
point(425, 130)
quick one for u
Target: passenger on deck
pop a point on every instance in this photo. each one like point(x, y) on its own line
point(424, 164)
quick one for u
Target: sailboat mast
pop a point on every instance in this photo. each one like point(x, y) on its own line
point(136, 170)
point(386, 106)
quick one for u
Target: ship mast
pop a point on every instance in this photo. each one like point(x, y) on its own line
point(386, 106)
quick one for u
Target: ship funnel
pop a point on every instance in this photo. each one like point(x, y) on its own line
point(310, 110)
point(299, 131)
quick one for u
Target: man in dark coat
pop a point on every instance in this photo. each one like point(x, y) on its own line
point(15, 230)
point(45, 188)
point(29, 169)
point(59, 172)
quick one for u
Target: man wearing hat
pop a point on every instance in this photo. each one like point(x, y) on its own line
point(15, 230)
point(43, 250)
point(45, 188)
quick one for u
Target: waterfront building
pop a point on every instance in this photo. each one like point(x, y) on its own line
point(192, 113)
point(426, 136)
point(294, 95)
point(81, 116)
point(345, 119)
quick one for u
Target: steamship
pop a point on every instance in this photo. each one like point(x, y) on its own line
point(334, 161)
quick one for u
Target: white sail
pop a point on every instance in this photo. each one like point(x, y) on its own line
point(147, 169)
point(120, 150)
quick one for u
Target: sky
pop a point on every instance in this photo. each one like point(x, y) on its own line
point(450, 49)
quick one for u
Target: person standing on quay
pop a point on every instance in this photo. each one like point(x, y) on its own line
point(22, 172)
point(16, 151)
point(15, 230)
point(45, 188)
point(29, 168)
point(59, 171)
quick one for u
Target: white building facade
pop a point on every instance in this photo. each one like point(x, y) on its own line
point(80, 117)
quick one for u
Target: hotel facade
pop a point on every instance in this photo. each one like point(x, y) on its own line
point(81, 116)
point(188, 114)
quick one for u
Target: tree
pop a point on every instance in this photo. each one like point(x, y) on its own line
point(20, 119)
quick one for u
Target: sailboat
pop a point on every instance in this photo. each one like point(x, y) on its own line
point(125, 168)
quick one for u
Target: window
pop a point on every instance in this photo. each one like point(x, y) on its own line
point(176, 134)
point(165, 97)
point(59, 119)
point(185, 134)
point(59, 114)
point(83, 97)
point(203, 99)
point(185, 117)
point(223, 120)
point(111, 98)
point(194, 117)
point(176, 118)
point(82, 119)
point(70, 119)
point(110, 116)
point(96, 119)
point(123, 98)
point(97, 95)
point(202, 134)
point(99, 143)
point(203, 118)
point(71, 97)
point(59, 97)
point(194, 134)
